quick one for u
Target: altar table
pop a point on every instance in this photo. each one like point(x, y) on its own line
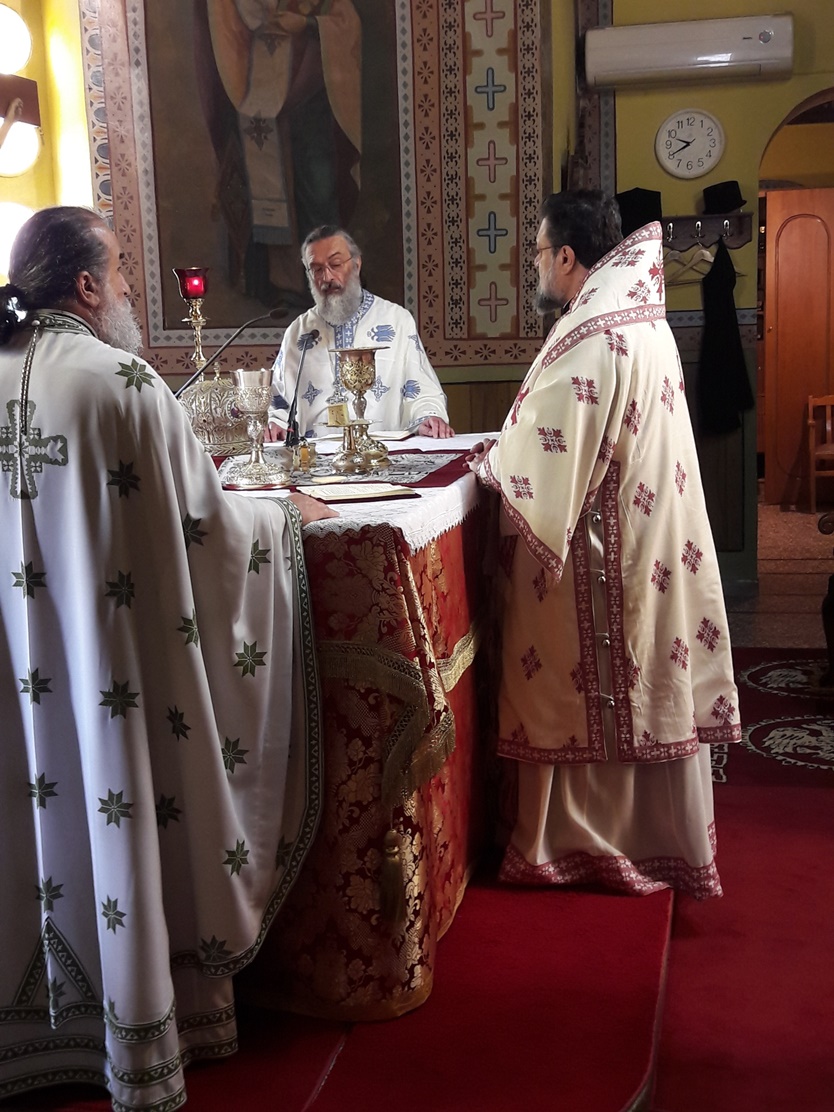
point(400, 607)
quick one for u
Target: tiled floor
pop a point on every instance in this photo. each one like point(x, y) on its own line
point(795, 561)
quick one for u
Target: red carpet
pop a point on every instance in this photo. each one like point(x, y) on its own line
point(749, 1016)
point(542, 1000)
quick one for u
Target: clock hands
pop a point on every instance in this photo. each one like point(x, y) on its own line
point(686, 143)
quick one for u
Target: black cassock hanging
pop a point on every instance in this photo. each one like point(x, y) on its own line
point(723, 385)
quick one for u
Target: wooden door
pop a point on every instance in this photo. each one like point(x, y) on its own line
point(799, 331)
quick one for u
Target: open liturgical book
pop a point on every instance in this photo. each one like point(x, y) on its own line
point(337, 490)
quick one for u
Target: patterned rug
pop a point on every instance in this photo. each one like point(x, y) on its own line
point(787, 711)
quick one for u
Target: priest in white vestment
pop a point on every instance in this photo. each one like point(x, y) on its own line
point(158, 694)
point(406, 393)
point(617, 672)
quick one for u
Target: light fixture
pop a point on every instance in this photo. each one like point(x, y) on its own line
point(12, 219)
point(15, 41)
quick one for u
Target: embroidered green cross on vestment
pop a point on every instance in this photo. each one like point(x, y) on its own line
point(24, 453)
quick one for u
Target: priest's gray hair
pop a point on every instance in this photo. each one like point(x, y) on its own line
point(49, 252)
point(328, 231)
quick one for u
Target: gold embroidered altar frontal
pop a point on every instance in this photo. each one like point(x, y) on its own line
point(397, 635)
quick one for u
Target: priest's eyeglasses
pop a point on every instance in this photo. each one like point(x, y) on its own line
point(335, 266)
point(541, 250)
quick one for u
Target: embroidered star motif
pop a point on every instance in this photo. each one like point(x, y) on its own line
point(115, 807)
point(48, 893)
point(214, 949)
point(121, 589)
point(166, 811)
point(191, 530)
point(119, 699)
point(112, 915)
point(124, 478)
point(258, 556)
point(250, 659)
point(233, 755)
point(236, 858)
point(41, 790)
point(178, 726)
point(189, 628)
point(34, 686)
point(28, 579)
point(136, 375)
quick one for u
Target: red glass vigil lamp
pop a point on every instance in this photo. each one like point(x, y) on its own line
point(193, 284)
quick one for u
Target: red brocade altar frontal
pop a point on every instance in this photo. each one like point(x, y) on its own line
point(399, 609)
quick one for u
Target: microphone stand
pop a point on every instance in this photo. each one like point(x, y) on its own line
point(272, 314)
point(292, 437)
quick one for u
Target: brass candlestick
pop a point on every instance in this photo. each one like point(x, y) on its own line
point(211, 406)
point(193, 285)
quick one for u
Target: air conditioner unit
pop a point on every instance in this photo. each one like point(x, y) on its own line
point(743, 48)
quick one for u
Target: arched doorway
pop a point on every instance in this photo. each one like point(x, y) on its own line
point(796, 292)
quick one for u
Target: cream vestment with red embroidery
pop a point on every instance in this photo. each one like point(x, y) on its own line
point(616, 642)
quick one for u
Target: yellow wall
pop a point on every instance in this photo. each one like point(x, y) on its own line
point(801, 153)
point(67, 128)
point(750, 112)
point(563, 79)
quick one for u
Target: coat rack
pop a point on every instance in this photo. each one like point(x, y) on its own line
point(682, 232)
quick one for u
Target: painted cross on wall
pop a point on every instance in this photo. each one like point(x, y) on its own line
point(482, 117)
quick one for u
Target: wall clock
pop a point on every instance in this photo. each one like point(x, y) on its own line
point(689, 143)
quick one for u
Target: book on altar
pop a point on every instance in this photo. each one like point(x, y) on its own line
point(391, 434)
point(358, 492)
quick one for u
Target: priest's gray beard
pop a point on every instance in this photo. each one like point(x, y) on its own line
point(340, 305)
point(117, 326)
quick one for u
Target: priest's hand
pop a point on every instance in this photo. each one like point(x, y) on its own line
point(273, 431)
point(311, 509)
point(479, 452)
point(436, 427)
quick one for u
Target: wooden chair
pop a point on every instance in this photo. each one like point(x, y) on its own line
point(820, 441)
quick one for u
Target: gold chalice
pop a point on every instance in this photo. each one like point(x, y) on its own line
point(357, 371)
point(253, 394)
point(360, 451)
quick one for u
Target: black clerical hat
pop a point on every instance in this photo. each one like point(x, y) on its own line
point(638, 207)
point(723, 197)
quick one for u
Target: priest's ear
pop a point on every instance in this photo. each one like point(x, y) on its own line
point(567, 258)
point(88, 290)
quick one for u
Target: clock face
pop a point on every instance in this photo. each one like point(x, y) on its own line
point(689, 143)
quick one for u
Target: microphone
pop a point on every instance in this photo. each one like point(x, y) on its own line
point(273, 314)
point(292, 437)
